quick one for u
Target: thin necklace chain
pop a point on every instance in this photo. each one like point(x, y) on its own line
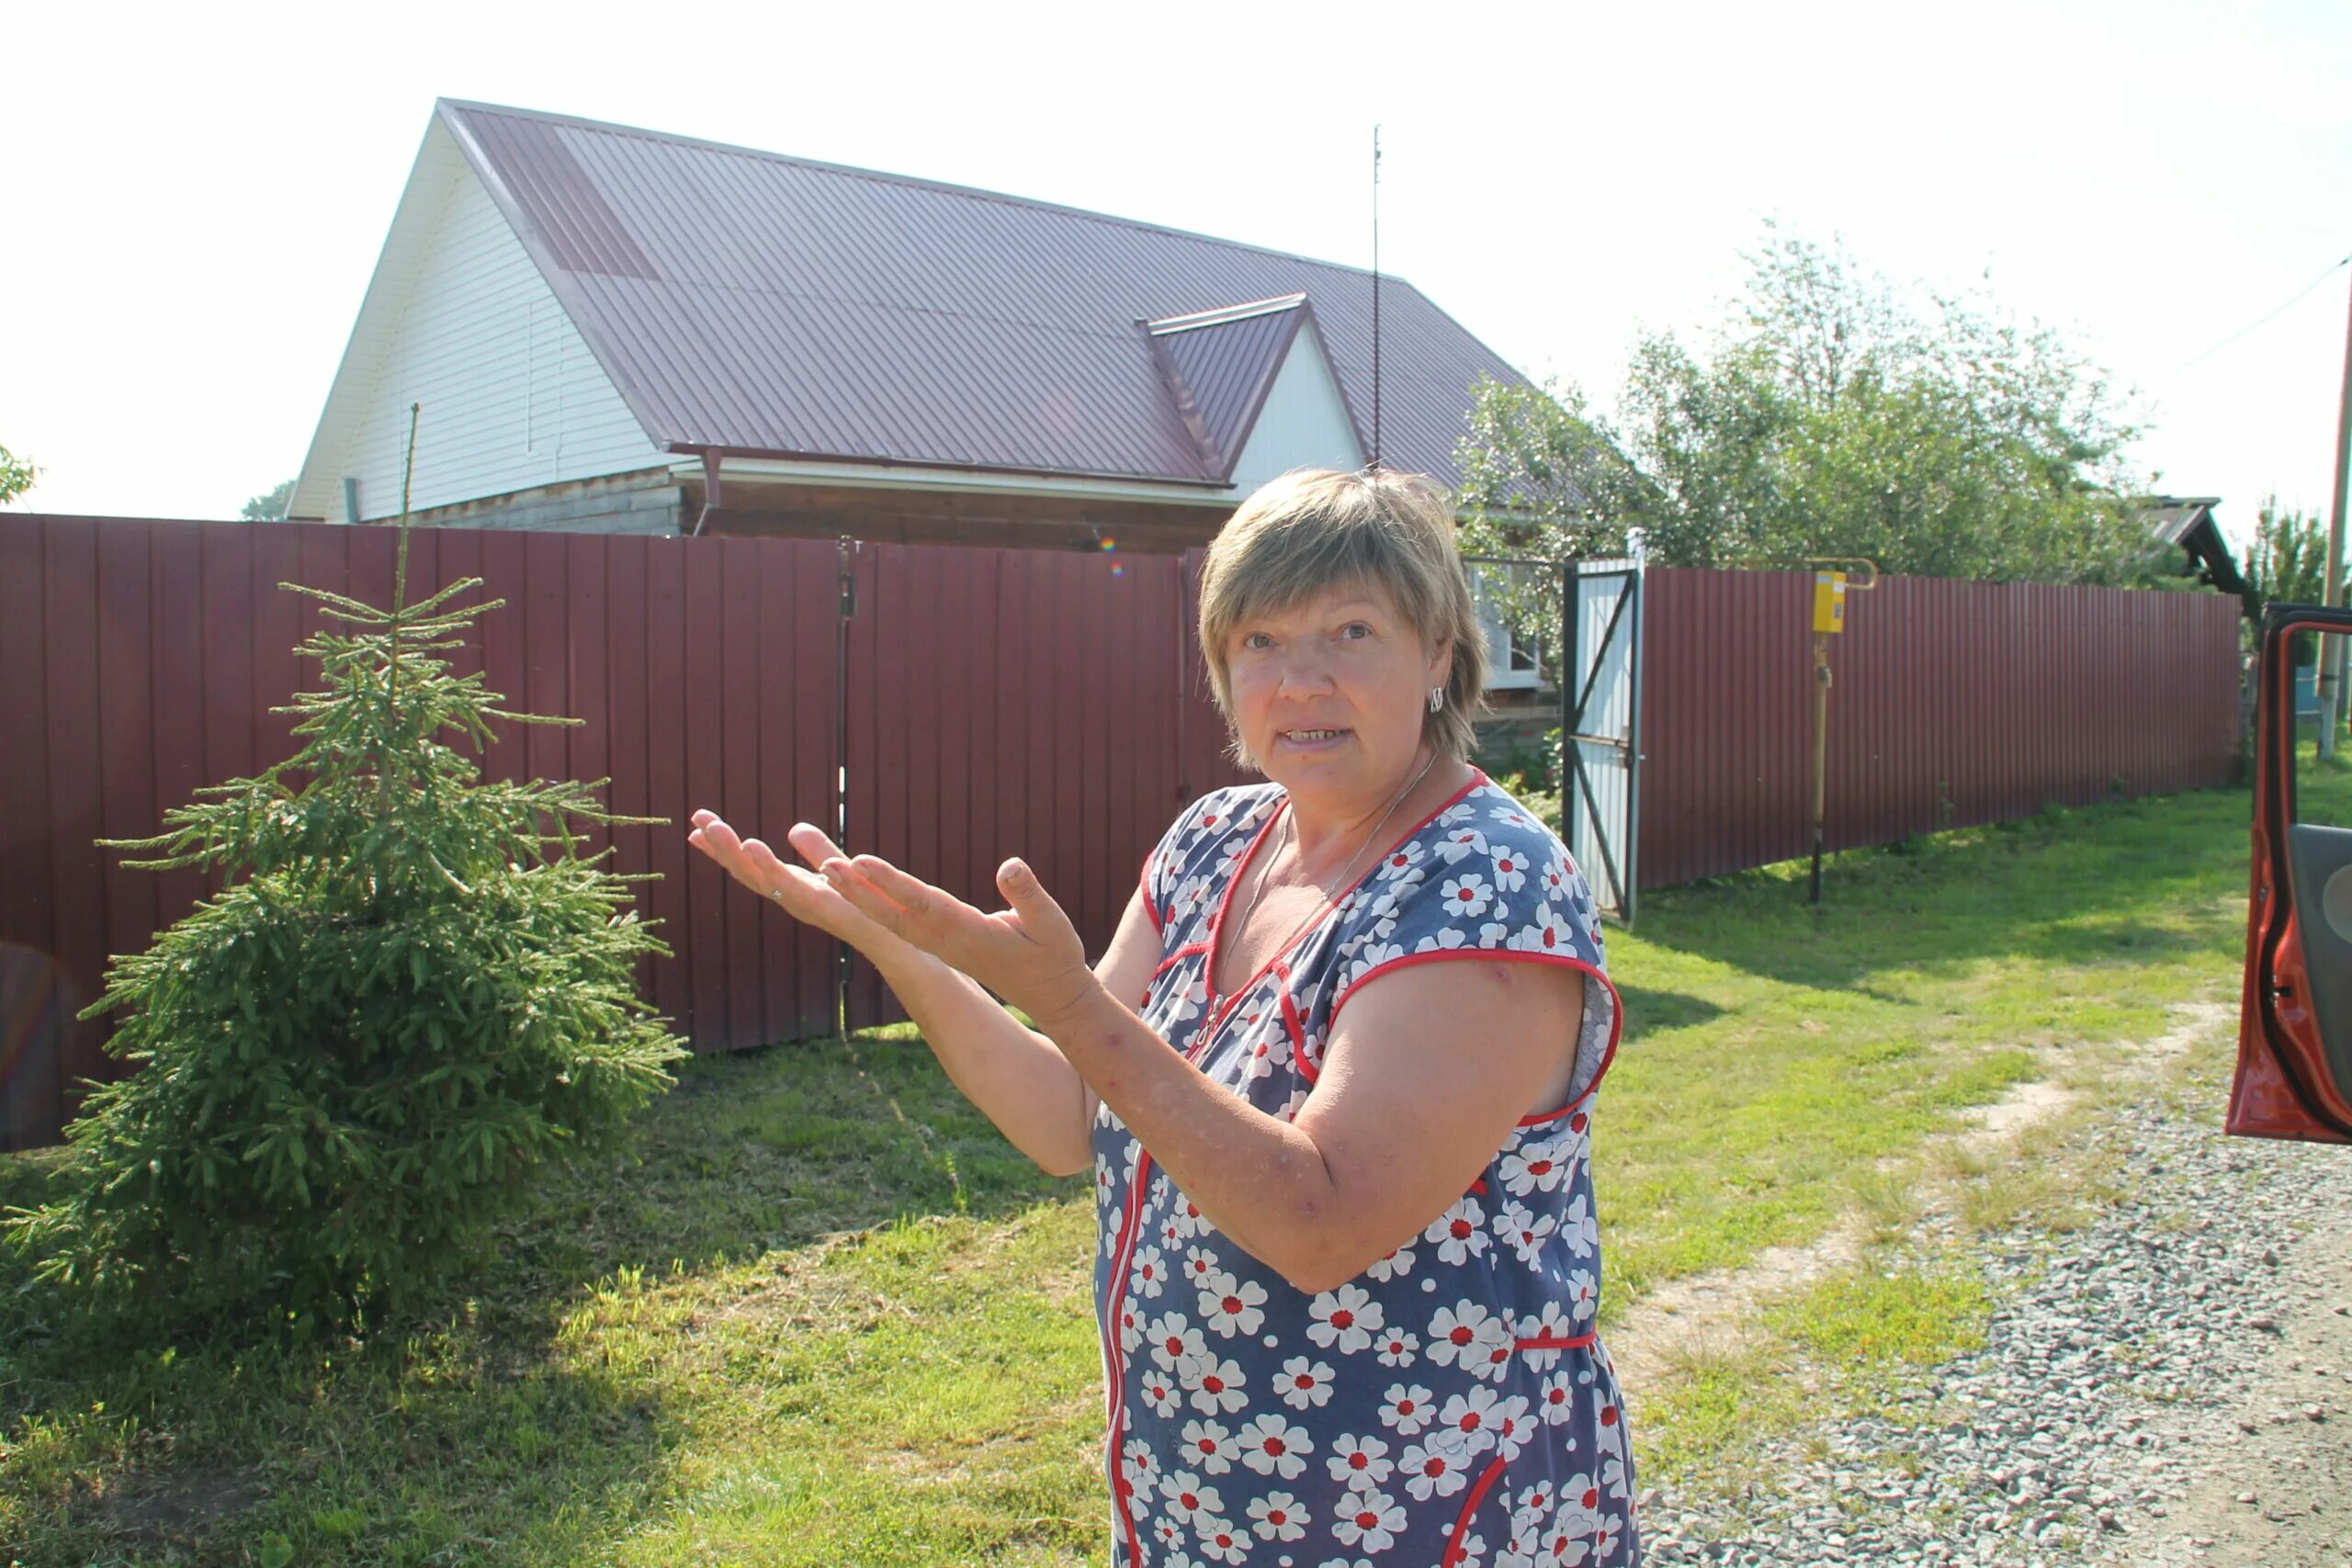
point(1290, 825)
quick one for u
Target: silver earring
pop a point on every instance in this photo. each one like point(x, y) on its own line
point(1437, 698)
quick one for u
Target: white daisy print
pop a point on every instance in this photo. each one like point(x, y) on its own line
point(1304, 1383)
point(1525, 1230)
point(1545, 932)
point(1532, 1168)
point(1459, 1234)
point(1465, 895)
point(1209, 1446)
point(1231, 1306)
point(1408, 1410)
point(1140, 1464)
point(1512, 1426)
point(1580, 1228)
point(1438, 1468)
point(1171, 1339)
point(1159, 1391)
point(1272, 1445)
point(1188, 1497)
point(1220, 1541)
point(1461, 1334)
point(1359, 1462)
point(1346, 1318)
point(1472, 1417)
point(1461, 844)
point(1369, 1520)
point(1215, 1385)
point(1277, 1516)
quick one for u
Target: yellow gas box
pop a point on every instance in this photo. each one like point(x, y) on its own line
point(1829, 600)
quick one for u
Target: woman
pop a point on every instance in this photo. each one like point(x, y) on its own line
point(1332, 1077)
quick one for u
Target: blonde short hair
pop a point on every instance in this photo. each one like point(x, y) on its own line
point(1315, 528)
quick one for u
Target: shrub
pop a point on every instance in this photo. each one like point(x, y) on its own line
point(415, 989)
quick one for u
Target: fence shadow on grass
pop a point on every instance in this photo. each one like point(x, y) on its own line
point(776, 1149)
point(1649, 1010)
point(441, 1438)
point(478, 1427)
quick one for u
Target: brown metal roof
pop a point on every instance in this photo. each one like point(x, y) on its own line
point(1221, 364)
point(2188, 521)
point(772, 306)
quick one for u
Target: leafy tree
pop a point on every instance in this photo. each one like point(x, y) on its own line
point(1836, 415)
point(415, 989)
point(1541, 479)
point(270, 505)
point(17, 475)
point(2288, 565)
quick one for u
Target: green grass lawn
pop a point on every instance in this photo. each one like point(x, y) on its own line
point(822, 1313)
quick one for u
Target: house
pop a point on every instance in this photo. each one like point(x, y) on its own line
point(2188, 521)
point(612, 329)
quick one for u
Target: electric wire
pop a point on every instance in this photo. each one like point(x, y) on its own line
point(2300, 296)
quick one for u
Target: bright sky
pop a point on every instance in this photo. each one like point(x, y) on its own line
point(195, 197)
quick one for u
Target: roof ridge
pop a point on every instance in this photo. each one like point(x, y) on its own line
point(917, 182)
point(1224, 315)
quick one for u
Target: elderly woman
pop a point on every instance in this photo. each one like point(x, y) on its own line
point(1333, 1076)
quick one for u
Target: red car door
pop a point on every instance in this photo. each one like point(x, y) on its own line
point(2294, 1072)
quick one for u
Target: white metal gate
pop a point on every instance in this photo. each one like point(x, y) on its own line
point(1601, 700)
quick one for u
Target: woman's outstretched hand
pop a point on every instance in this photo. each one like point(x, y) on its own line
point(799, 891)
point(1029, 954)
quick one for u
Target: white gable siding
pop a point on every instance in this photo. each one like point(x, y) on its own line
point(1305, 423)
point(511, 398)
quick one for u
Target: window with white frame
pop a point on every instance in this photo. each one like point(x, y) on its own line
point(1513, 662)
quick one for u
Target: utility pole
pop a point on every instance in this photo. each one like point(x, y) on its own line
point(2331, 658)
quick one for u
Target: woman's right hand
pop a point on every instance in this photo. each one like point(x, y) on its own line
point(798, 890)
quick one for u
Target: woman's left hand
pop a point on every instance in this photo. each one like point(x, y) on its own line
point(1029, 954)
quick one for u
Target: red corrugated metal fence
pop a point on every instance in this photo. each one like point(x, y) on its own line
point(1048, 703)
point(986, 701)
point(140, 659)
point(1953, 703)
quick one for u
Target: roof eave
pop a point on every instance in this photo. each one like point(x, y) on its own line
point(780, 455)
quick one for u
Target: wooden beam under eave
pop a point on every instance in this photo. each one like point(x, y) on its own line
point(890, 517)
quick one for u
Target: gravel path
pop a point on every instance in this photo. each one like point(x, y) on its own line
point(2171, 1385)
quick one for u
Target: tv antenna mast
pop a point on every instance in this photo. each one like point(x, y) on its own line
point(1375, 464)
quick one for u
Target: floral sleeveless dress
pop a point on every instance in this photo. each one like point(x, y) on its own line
point(1450, 1407)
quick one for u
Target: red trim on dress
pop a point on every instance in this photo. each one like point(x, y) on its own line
point(1142, 885)
point(1330, 906)
point(1503, 955)
point(1585, 1341)
point(1179, 957)
point(1296, 1027)
point(1116, 1357)
point(1140, 1183)
point(1469, 1506)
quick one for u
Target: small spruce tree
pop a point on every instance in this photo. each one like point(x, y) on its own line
point(415, 989)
